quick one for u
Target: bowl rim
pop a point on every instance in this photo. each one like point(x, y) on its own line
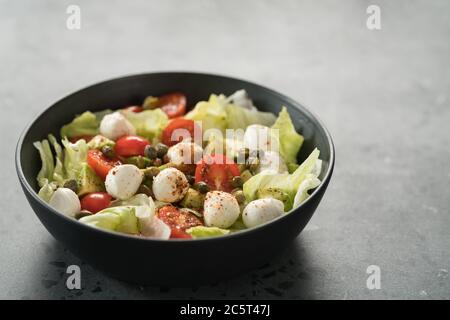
point(231, 236)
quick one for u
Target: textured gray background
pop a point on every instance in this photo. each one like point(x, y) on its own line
point(384, 95)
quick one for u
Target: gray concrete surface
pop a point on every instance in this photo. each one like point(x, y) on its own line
point(383, 94)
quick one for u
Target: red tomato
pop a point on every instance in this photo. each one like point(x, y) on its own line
point(96, 201)
point(217, 171)
point(136, 109)
point(178, 234)
point(173, 104)
point(129, 146)
point(86, 137)
point(178, 221)
point(99, 163)
point(186, 126)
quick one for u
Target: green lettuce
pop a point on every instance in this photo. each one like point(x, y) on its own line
point(211, 113)
point(133, 216)
point(219, 113)
point(58, 172)
point(148, 123)
point(84, 124)
point(45, 175)
point(283, 186)
point(87, 123)
point(120, 219)
point(75, 155)
point(240, 118)
point(290, 140)
point(206, 232)
point(47, 190)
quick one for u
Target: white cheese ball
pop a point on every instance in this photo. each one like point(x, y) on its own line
point(115, 125)
point(65, 201)
point(261, 211)
point(221, 209)
point(272, 163)
point(185, 153)
point(259, 137)
point(123, 181)
point(170, 185)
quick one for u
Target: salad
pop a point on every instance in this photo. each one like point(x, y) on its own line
point(157, 171)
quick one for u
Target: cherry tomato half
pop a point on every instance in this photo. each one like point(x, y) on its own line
point(186, 126)
point(129, 146)
point(99, 163)
point(216, 171)
point(96, 201)
point(86, 137)
point(178, 221)
point(173, 104)
point(135, 109)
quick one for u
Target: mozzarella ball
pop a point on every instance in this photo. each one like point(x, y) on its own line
point(65, 201)
point(272, 163)
point(115, 125)
point(259, 137)
point(221, 209)
point(123, 181)
point(170, 185)
point(185, 153)
point(261, 211)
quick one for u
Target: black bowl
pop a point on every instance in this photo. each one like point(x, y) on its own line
point(175, 262)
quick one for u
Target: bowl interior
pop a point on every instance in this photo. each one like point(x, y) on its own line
point(117, 93)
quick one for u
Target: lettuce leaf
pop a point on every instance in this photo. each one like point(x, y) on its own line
point(148, 123)
point(120, 219)
point(211, 113)
point(47, 190)
point(75, 154)
point(58, 172)
point(133, 216)
point(206, 232)
point(45, 175)
point(241, 118)
point(290, 140)
point(219, 113)
point(84, 124)
point(283, 187)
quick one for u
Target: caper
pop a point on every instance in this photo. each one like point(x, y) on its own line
point(151, 172)
point(201, 187)
point(145, 190)
point(108, 151)
point(161, 150)
point(72, 185)
point(150, 152)
point(237, 182)
point(82, 213)
point(190, 179)
point(253, 164)
point(239, 195)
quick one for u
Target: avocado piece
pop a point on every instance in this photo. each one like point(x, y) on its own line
point(193, 199)
point(276, 194)
point(139, 161)
point(88, 181)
